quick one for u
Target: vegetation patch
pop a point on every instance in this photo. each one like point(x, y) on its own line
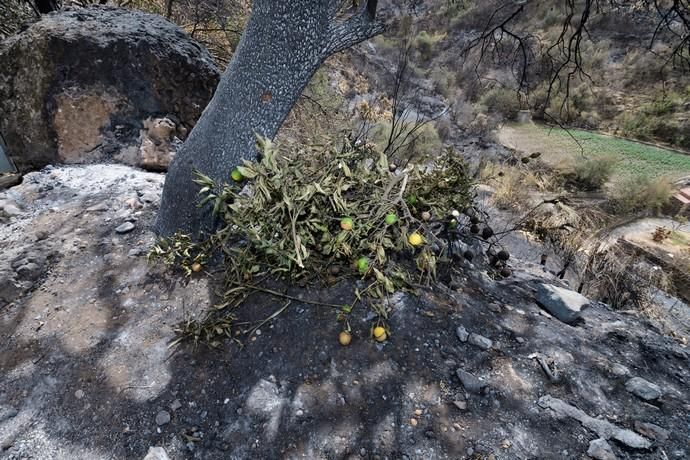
point(632, 158)
point(324, 215)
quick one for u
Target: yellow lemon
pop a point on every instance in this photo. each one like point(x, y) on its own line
point(415, 239)
point(380, 334)
point(345, 338)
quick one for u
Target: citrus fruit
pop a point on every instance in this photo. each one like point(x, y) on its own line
point(345, 338)
point(362, 265)
point(380, 334)
point(346, 223)
point(391, 218)
point(415, 239)
point(236, 175)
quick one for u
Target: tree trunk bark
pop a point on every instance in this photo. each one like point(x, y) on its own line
point(283, 45)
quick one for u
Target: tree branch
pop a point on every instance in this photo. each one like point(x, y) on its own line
point(361, 26)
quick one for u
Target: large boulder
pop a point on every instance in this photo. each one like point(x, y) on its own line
point(88, 84)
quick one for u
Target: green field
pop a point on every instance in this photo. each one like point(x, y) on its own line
point(633, 158)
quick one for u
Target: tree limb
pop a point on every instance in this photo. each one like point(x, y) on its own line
point(361, 26)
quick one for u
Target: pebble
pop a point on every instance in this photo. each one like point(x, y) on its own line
point(462, 333)
point(494, 307)
point(79, 394)
point(651, 430)
point(520, 340)
point(299, 413)
point(162, 418)
point(480, 341)
point(125, 228)
point(176, 404)
point(156, 453)
point(413, 421)
point(462, 405)
point(643, 389)
point(471, 382)
point(599, 449)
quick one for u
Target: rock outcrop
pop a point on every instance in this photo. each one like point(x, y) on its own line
point(95, 84)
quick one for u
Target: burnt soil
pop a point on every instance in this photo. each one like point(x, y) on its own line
point(85, 366)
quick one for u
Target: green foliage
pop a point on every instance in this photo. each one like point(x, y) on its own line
point(593, 173)
point(423, 142)
point(289, 221)
point(501, 101)
point(632, 158)
point(424, 45)
point(641, 194)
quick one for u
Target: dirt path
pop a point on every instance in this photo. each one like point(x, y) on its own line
point(85, 371)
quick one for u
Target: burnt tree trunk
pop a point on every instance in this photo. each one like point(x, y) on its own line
point(283, 45)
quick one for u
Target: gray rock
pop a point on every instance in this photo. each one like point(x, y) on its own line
point(480, 341)
point(11, 209)
point(643, 389)
point(651, 430)
point(603, 428)
point(79, 394)
point(631, 439)
point(462, 333)
point(599, 449)
point(125, 228)
point(173, 75)
point(99, 207)
point(472, 383)
point(162, 417)
point(462, 405)
point(136, 252)
point(619, 370)
point(30, 271)
point(176, 404)
point(564, 304)
point(156, 453)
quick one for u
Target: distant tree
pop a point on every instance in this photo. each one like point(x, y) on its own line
point(283, 45)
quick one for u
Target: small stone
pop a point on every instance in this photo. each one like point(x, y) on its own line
point(299, 413)
point(462, 405)
point(176, 404)
point(643, 389)
point(413, 421)
point(418, 412)
point(651, 430)
point(631, 439)
point(125, 228)
point(135, 252)
point(79, 394)
point(480, 341)
point(494, 307)
point(519, 340)
point(156, 453)
point(599, 449)
point(100, 207)
point(162, 418)
point(619, 370)
point(462, 333)
point(471, 382)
